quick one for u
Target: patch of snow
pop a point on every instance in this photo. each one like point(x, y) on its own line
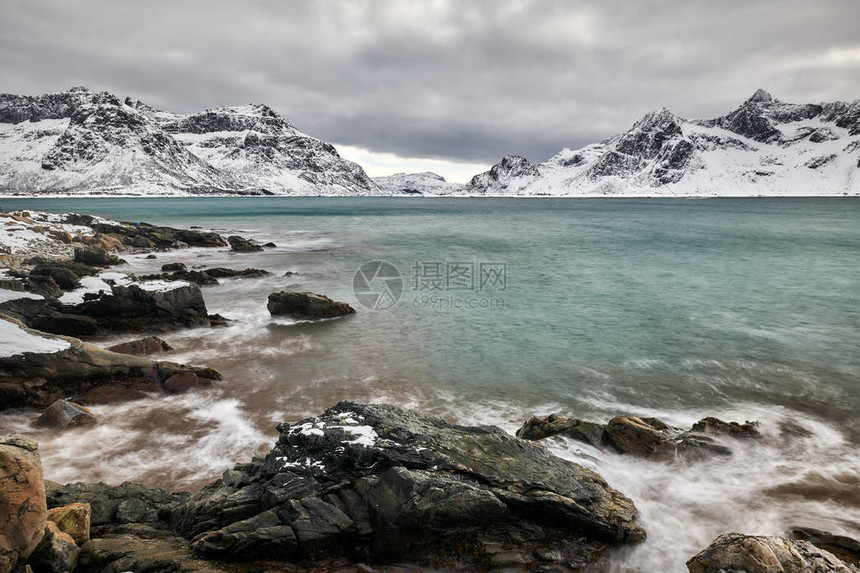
point(89, 285)
point(162, 286)
point(364, 435)
point(7, 295)
point(15, 340)
point(120, 279)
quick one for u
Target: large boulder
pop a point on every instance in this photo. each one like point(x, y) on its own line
point(736, 552)
point(381, 482)
point(23, 513)
point(52, 367)
point(306, 305)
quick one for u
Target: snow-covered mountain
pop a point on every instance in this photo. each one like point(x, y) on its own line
point(416, 184)
point(764, 147)
point(82, 142)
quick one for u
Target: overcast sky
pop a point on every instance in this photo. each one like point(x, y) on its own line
point(449, 86)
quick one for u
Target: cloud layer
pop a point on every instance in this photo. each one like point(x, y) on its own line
point(465, 81)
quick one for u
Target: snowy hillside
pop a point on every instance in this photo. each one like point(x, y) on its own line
point(426, 183)
point(764, 147)
point(84, 143)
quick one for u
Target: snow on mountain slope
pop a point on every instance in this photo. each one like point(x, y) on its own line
point(261, 149)
point(425, 183)
point(81, 142)
point(765, 147)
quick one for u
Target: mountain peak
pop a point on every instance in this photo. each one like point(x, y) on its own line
point(760, 96)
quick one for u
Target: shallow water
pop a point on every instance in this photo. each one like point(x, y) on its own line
point(746, 309)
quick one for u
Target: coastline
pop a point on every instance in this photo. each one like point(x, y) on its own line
point(595, 453)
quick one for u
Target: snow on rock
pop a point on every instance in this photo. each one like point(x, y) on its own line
point(93, 286)
point(15, 340)
point(162, 285)
point(426, 183)
point(7, 295)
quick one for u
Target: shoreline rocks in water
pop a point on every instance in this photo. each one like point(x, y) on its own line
point(642, 437)
point(306, 305)
point(45, 368)
point(243, 245)
point(384, 483)
point(204, 277)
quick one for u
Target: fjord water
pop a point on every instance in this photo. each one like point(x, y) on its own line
point(745, 309)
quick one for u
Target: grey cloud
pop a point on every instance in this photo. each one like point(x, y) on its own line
point(467, 81)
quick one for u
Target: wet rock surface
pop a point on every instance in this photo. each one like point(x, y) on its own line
point(63, 414)
point(306, 305)
point(736, 552)
point(148, 346)
point(243, 245)
point(384, 483)
point(642, 437)
point(83, 372)
point(205, 277)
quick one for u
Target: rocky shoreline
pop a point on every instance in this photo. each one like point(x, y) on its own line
point(360, 487)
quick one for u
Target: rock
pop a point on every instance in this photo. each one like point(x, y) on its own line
point(136, 306)
point(381, 482)
point(715, 427)
point(149, 346)
point(221, 273)
point(642, 437)
point(62, 275)
point(23, 513)
point(206, 277)
point(185, 381)
point(96, 256)
point(243, 245)
point(73, 519)
point(152, 551)
point(762, 554)
point(269, 245)
point(172, 267)
point(636, 436)
point(64, 414)
point(56, 553)
point(845, 548)
point(306, 305)
point(538, 428)
point(142, 242)
point(150, 256)
point(75, 368)
point(126, 503)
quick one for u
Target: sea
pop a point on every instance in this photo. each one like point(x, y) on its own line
point(492, 310)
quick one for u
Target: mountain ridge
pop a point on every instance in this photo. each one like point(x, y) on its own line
point(82, 142)
point(763, 147)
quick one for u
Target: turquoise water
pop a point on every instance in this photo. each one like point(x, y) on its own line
point(742, 308)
